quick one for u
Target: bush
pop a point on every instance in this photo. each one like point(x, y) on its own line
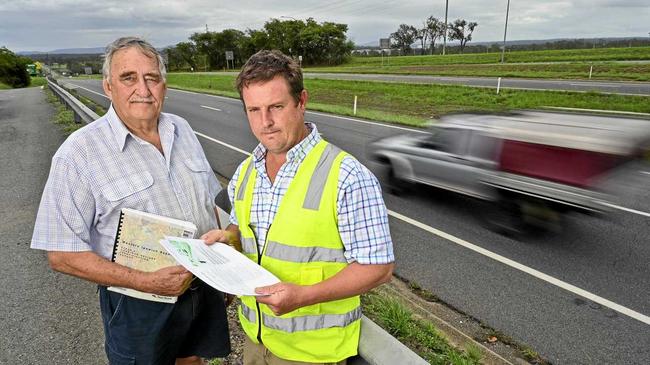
point(13, 69)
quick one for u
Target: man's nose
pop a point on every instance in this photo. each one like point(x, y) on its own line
point(142, 88)
point(267, 118)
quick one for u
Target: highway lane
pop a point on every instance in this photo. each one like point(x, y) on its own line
point(612, 87)
point(607, 258)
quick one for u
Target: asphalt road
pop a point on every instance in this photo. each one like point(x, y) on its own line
point(627, 88)
point(578, 297)
point(46, 318)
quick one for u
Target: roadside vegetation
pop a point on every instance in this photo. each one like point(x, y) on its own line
point(62, 116)
point(419, 335)
point(413, 104)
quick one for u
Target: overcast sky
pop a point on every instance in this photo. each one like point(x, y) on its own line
point(45, 25)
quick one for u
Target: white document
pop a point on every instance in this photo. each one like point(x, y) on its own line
point(219, 265)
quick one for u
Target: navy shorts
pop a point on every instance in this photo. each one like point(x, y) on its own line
point(151, 333)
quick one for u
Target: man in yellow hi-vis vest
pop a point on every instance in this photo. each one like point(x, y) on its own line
point(312, 215)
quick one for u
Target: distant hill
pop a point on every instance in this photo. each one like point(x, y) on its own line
point(93, 50)
point(74, 51)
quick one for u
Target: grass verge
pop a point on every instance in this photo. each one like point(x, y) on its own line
point(419, 335)
point(38, 81)
point(414, 104)
point(62, 116)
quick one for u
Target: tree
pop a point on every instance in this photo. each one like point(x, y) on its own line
point(404, 37)
point(186, 51)
point(462, 31)
point(13, 69)
point(435, 29)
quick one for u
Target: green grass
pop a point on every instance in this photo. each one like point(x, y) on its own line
point(38, 81)
point(419, 335)
point(4, 86)
point(601, 71)
point(414, 104)
point(559, 64)
point(62, 116)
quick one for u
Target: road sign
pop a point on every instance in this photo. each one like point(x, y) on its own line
point(88, 70)
point(384, 43)
point(230, 56)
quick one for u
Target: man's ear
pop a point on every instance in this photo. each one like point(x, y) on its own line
point(304, 97)
point(107, 88)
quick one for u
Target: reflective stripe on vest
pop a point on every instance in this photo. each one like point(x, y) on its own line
point(247, 174)
point(284, 252)
point(319, 178)
point(248, 246)
point(304, 323)
point(250, 314)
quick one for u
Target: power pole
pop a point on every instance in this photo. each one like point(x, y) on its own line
point(505, 31)
point(444, 44)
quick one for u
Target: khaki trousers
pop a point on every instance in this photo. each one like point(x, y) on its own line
point(257, 354)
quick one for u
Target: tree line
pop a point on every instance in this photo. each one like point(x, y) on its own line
point(316, 43)
point(13, 69)
point(432, 29)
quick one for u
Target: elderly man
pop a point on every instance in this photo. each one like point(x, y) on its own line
point(134, 157)
point(309, 213)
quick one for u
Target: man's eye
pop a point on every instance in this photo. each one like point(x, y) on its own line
point(151, 79)
point(278, 107)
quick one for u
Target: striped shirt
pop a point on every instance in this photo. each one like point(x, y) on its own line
point(362, 215)
point(102, 168)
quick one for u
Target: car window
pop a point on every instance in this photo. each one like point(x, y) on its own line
point(482, 146)
point(450, 140)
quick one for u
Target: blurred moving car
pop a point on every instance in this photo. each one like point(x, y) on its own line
point(534, 166)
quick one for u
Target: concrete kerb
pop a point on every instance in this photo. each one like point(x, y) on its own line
point(378, 347)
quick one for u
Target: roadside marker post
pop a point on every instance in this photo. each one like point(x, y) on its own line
point(354, 110)
point(498, 85)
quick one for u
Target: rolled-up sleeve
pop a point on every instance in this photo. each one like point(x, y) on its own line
point(66, 211)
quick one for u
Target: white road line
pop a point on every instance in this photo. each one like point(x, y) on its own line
point(504, 260)
point(222, 143)
point(538, 274)
point(211, 108)
point(645, 172)
point(366, 122)
point(625, 209)
point(595, 110)
point(593, 84)
point(92, 91)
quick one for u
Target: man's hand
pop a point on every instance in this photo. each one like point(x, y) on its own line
point(215, 235)
point(229, 236)
point(282, 297)
point(171, 281)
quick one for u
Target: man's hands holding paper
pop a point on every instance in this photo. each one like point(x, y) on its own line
point(282, 298)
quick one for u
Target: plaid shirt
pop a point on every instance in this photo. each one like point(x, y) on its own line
point(103, 168)
point(362, 216)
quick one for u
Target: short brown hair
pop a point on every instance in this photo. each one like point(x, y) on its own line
point(265, 65)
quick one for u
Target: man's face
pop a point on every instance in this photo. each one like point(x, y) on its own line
point(275, 118)
point(135, 87)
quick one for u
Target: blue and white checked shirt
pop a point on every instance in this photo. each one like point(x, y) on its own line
point(103, 168)
point(363, 220)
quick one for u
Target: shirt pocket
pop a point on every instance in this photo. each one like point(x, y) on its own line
point(127, 186)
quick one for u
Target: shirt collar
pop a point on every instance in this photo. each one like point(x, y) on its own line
point(166, 126)
point(298, 152)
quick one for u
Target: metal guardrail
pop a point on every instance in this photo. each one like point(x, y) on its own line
point(376, 346)
point(81, 112)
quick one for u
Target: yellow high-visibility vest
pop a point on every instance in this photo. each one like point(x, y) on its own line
point(303, 246)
